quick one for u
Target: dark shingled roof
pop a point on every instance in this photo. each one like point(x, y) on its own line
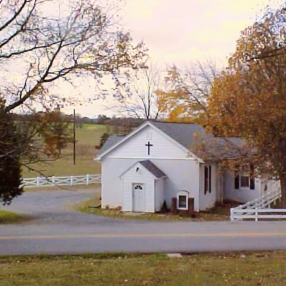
point(184, 133)
point(180, 132)
point(152, 169)
point(112, 140)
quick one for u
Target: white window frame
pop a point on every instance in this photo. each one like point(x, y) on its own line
point(183, 194)
point(247, 170)
point(244, 174)
point(149, 135)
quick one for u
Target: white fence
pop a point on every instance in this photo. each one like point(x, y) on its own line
point(259, 208)
point(62, 181)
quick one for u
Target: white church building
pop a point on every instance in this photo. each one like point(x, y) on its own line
point(154, 164)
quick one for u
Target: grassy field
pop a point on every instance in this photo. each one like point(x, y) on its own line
point(88, 206)
point(9, 217)
point(87, 137)
point(264, 268)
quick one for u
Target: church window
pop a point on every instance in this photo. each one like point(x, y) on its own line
point(208, 179)
point(149, 135)
point(182, 200)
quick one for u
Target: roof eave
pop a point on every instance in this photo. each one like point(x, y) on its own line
point(160, 178)
point(97, 158)
point(189, 153)
point(125, 138)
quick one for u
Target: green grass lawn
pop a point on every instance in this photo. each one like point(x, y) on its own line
point(263, 268)
point(65, 167)
point(88, 206)
point(87, 137)
point(9, 217)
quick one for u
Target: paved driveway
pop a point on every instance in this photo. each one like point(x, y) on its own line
point(53, 207)
point(55, 229)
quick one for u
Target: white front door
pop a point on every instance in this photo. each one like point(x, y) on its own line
point(138, 198)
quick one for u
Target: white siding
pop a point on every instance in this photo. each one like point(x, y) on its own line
point(239, 195)
point(181, 175)
point(208, 200)
point(111, 184)
point(144, 177)
point(159, 194)
point(135, 147)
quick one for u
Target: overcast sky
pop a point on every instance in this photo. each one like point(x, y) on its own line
point(180, 31)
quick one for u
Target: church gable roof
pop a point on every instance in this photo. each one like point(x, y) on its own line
point(150, 167)
point(116, 140)
point(153, 169)
point(181, 133)
point(111, 141)
point(185, 134)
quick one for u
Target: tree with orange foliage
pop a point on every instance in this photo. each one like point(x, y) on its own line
point(248, 100)
point(55, 132)
point(185, 99)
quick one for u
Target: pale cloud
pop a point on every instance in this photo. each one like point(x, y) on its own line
point(180, 31)
point(172, 27)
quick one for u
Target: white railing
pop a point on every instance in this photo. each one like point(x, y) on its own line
point(62, 181)
point(259, 208)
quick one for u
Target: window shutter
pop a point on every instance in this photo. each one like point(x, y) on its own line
point(236, 179)
point(206, 179)
point(210, 180)
point(252, 180)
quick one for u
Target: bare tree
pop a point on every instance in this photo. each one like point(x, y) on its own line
point(76, 39)
point(185, 97)
point(139, 97)
point(44, 43)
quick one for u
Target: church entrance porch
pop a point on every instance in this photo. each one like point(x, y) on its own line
point(143, 187)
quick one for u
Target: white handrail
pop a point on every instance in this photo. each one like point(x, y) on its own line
point(252, 209)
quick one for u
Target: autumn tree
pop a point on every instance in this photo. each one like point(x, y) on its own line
point(185, 97)
point(103, 139)
point(46, 43)
point(248, 100)
point(56, 133)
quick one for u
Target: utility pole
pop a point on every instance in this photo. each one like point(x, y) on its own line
point(74, 136)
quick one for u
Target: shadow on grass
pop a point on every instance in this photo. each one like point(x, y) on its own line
point(13, 218)
point(91, 187)
point(92, 206)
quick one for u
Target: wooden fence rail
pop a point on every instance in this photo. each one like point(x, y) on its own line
point(257, 214)
point(62, 181)
point(259, 208)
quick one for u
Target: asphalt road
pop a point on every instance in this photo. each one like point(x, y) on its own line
point(55, 229)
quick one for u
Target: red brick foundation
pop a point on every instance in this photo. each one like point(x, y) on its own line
point(189, 212)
